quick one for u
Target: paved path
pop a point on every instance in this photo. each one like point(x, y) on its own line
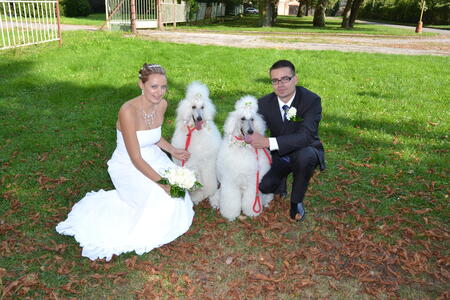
point(409, 45)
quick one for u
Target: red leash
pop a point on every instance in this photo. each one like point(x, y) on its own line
point(188, 141)
point(257, 202)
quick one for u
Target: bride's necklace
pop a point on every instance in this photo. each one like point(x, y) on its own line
point(148, 117)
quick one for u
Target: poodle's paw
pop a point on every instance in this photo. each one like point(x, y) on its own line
point(251, 213)
point(197, 197)
point(214, 200)
point(230, 216)
point(266, 199)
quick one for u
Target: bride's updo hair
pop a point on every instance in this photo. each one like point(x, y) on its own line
point(150, 69)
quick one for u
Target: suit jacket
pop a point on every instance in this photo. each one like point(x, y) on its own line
point(294, 135)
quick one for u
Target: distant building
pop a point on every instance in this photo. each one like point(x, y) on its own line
point(287, 8)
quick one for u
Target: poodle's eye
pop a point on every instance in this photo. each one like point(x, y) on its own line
point(193, 106)
point(243, 119)
point(203, 107)
point(252, 119)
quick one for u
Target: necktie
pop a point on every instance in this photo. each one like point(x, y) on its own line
point(285, 108)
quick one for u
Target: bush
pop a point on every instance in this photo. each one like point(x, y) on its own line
point(76, 8)
point(97, 6)
point(407, 11)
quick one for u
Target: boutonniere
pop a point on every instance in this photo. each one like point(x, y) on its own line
point(291, 115)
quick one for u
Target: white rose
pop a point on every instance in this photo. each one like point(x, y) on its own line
point(187, 179)
point(182, 177)
point(292, 112)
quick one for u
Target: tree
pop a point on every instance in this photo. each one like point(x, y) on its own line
point(267, 12)
point(319, 13)
point(76, 8)
point(350, 13)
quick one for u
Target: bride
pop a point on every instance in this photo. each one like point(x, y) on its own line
point(139, 214)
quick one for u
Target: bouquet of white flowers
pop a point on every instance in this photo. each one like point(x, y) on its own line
point(180, 180)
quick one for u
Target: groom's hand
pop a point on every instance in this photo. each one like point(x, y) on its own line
point(259, 141)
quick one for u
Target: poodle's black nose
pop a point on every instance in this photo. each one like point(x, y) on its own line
point(250, 131)
point(199, 118)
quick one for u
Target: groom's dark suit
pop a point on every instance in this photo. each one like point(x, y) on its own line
point(300, 149)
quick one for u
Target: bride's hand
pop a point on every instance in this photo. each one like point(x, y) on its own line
point(181, 154)
point(165, 187)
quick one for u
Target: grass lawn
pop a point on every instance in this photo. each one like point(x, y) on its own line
point(291, 24)
point(94, 19)
point(378, 216)
point(446, 27)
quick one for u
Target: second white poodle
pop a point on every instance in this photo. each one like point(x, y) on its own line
point(196, 132)
point(240, 167)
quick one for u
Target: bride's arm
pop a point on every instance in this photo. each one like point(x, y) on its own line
point(177, 153)
point(128, 129)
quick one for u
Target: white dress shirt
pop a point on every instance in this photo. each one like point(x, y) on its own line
point(273, 144)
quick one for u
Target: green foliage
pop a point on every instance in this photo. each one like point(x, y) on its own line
point(97, 6)
point(76, 8)
point(193, 8)
point(407, 11)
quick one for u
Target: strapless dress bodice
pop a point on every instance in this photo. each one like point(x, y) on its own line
point(146, 138)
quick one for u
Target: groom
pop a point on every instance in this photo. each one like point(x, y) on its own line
point(294, 141)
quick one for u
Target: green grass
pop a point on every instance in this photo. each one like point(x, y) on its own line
point(291, 24)
point(446, 27)
point(385, 129)
point(93, 19)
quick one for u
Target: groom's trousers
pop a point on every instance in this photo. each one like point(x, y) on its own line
point(301, 163)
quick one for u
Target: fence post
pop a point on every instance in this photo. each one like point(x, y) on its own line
point(58, 21)
point(174, 14)
point(160, 15)
point(133, 16)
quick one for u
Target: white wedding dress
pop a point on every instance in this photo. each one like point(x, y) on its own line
point(138, 215)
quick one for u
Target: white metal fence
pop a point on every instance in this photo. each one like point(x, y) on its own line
point(118, 13)
point(172, 12)
point(25, 23)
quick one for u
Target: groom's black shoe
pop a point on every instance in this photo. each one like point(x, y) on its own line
point(297, 212)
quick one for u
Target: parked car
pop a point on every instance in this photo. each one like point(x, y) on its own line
point(251, 11)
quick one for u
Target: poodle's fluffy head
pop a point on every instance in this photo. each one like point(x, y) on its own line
point(244, 120)
point(196, 108)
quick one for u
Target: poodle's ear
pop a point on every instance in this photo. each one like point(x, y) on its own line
point(230, 124)
point(260, 124)
point(183, 110)
point(197, 91)
point(210, 109)
point(247, 103)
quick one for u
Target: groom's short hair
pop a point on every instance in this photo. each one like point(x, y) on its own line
point(283, 64)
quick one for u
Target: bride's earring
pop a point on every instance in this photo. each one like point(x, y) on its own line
point(142, 91)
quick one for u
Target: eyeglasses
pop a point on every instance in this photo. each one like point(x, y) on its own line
point(284, 79)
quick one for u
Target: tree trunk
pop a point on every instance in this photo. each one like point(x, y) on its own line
point(274, 12)
point(306, 8)
point(354, 12)
point(319, 13)
point(346, 14)
point(265, 13)
point(300, 6)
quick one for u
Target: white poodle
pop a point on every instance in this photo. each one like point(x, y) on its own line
point(239, 165)
point(196, 132)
